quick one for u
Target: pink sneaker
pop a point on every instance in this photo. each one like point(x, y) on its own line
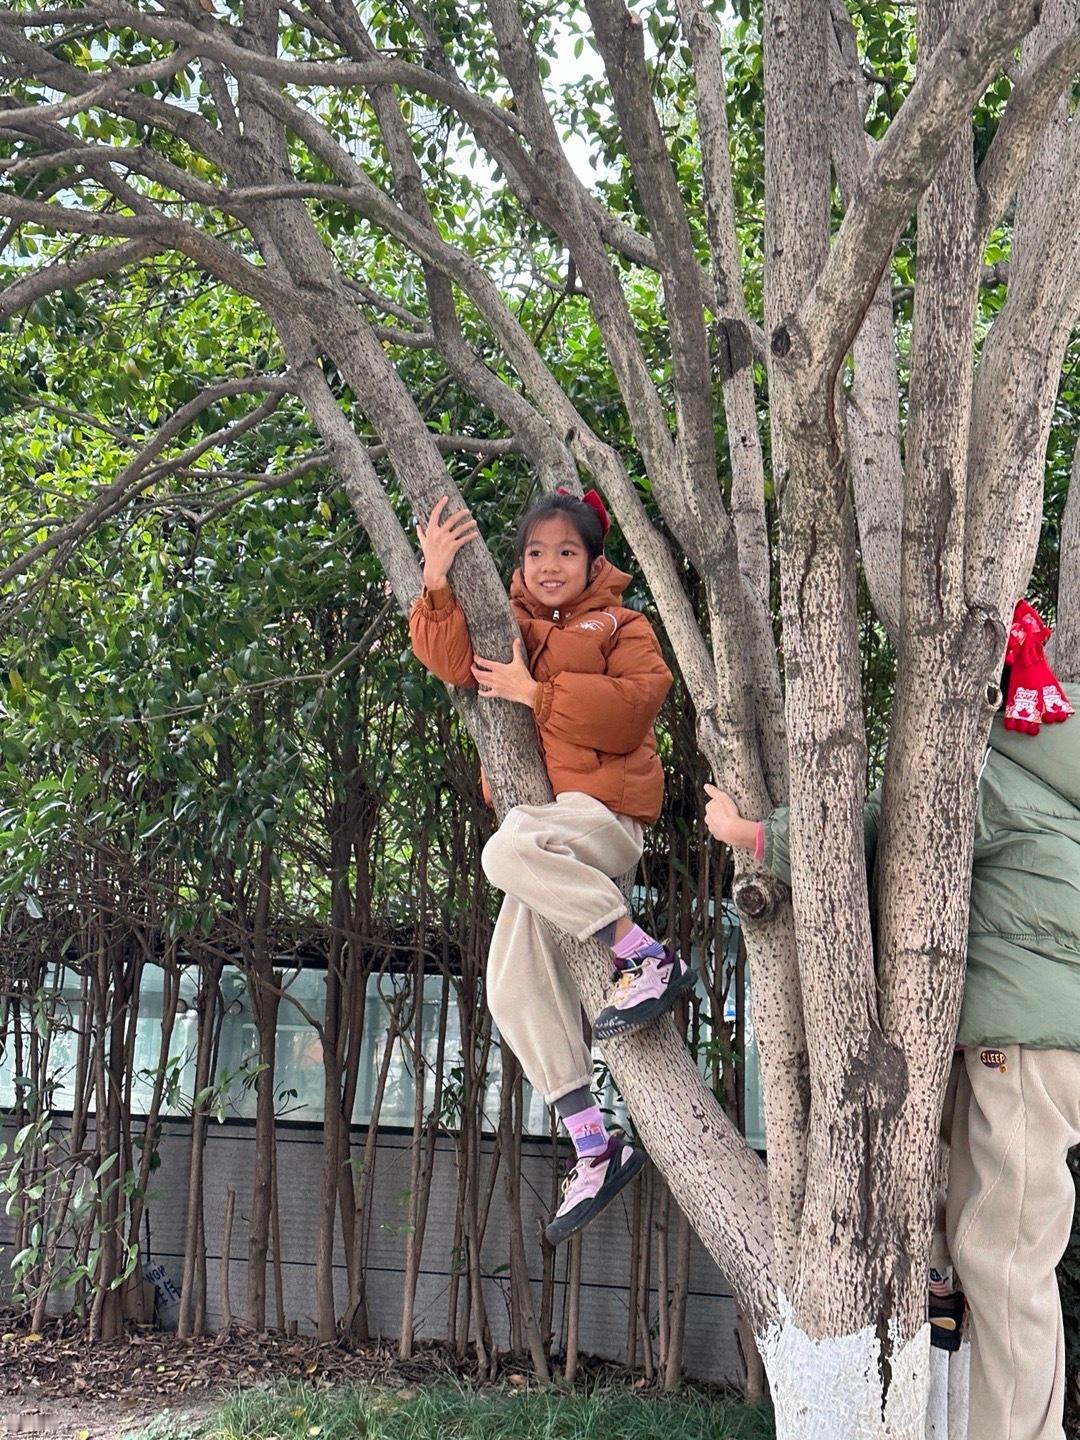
point(644, 990)
point(592, 1185)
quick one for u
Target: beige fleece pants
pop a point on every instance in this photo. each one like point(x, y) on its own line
point(555, 864)
point(1008, 1216)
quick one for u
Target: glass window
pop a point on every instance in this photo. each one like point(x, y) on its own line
point(298, 1077)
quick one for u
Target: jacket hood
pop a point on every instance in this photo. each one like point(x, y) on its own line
point(607, 589)
point(1052, 756)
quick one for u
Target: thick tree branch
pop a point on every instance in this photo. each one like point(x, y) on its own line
point(902, 167)
point(1038, 93)
point(12, 117)
point(353, 464)
point(796, 246)
point(1019, 368)
point(872, 403)
point(620, 38)
point(732, 330)
point(943, 326)
point(735, 354)
point(921, 927)
point(67, 275)
point(1018, 376)
point(161, 233)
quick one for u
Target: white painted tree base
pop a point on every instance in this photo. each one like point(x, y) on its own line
point(937, 1408)
point(831, 1389)
point(947, 1410)
point(959, 1392)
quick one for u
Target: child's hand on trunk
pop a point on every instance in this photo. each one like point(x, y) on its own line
point(440, 540)
point(725, 822)
point(506, 682)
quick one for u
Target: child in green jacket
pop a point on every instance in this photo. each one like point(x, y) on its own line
point(1013, 1105)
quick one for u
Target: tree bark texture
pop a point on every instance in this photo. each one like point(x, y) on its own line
point(856, 979)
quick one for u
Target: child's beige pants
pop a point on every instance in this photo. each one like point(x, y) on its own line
point(555, 864)
point(1009, 1214)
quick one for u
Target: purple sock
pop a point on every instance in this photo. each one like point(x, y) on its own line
point(586, 1130)
point(634, 943)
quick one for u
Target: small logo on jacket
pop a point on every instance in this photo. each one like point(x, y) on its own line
point(994, 1060)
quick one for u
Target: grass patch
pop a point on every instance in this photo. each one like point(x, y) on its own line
point(448, 1412)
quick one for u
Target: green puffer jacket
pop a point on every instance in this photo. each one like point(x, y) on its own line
point(1023, 976)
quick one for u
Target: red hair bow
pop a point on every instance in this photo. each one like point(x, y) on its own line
point(592, 499)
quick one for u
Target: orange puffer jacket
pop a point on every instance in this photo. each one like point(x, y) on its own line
point(602, 681)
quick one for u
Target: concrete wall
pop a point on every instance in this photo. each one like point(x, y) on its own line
point(711, 1352)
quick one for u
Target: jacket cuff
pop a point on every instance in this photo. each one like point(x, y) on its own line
point(768, 845)
point(545, 699)
point(441, 599)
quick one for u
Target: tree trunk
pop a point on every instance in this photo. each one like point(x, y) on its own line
point(264, 988)
point(521, 1286)
point(1066, 653)
point(208, 1007)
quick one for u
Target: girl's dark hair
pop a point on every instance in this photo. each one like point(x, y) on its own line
point(583, 517)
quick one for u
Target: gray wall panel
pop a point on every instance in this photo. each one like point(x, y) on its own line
point(711, 1351)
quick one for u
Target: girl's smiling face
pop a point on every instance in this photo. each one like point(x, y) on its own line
point(555, 563)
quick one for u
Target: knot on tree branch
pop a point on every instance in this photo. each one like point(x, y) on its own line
point(780, 344)
point(756, 896)
point(980, 648)
point(734, 350)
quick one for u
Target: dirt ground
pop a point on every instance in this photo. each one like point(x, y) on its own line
point(59, 1385)
point(101, 1420)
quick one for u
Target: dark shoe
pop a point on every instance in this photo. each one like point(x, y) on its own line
point(946, 1317)
point(592, 1185)
point(646, 989)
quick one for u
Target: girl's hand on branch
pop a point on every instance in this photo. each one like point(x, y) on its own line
point(725, 822)
point(440, 540)
point(506, 682)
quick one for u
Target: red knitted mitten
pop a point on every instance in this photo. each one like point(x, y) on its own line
point(1034, 697)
